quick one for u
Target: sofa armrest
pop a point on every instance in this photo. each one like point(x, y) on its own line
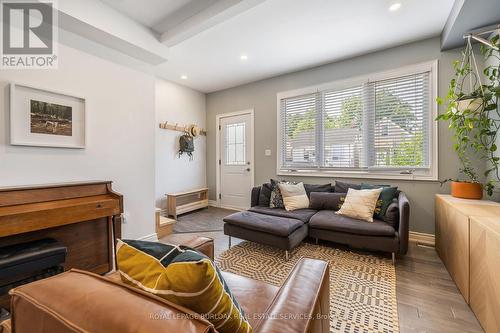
point(404, 222)
point(203, 244)
point(5, 326)
point(79, 301)
point(302, 303)
point(255, 196)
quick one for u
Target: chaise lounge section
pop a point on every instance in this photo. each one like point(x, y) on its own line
point(282, 232)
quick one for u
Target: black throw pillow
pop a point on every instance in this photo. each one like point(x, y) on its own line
point(391, 216)
point(317, 188)
point(344, 187)
point(265, 195)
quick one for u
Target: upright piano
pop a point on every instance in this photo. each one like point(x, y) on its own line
point(85, 217)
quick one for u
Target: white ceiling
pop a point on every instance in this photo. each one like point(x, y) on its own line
point(281, 36)
point(159, 15)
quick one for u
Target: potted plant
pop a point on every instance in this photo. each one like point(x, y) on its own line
point(474, 117)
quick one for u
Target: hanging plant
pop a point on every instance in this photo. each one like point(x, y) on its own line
point(473, 116)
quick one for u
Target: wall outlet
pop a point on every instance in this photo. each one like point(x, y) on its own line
point(267, 152)
point(125, 217)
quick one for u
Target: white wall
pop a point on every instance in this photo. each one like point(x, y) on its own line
point(178, 104)
point(120, 134)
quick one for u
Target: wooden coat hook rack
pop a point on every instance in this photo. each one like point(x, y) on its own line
point(180, 128)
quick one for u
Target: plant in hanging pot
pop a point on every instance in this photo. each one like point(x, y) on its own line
point(473, 116)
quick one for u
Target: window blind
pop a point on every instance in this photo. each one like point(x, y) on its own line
point(380, 124)
point(342, 134)
point(299, 124)
point(399, 120)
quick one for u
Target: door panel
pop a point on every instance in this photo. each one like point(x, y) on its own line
point(236, 162)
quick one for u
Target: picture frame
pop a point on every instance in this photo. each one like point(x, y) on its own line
point(46, 118)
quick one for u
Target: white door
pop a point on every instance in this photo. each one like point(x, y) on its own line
point(236, 161)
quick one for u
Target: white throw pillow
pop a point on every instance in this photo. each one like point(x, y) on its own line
point(360, 204)
point(294, 196)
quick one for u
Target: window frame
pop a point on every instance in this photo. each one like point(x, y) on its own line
point(425, 174)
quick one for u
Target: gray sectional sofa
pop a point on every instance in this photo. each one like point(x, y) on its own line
point(287, 229)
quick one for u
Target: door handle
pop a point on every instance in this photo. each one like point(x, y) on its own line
point(248, 169)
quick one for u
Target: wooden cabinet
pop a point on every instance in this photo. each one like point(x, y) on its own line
point(485, 271)
point(468, 243)
point(452, 242)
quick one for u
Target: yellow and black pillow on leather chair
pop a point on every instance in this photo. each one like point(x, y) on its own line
point(182, 276)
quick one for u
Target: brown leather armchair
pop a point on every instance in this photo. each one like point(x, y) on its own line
point(79, 301)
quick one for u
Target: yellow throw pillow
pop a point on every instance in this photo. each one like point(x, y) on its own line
point(294, 196)
point(360, 204)
point(183, 276)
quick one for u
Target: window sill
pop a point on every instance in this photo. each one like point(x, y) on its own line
point(359, 174)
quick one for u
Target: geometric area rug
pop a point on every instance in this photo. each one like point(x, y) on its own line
point(362, 287)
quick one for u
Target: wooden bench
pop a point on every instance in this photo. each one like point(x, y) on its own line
point(183, 202)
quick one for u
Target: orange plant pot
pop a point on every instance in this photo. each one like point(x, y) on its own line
point(467, 190)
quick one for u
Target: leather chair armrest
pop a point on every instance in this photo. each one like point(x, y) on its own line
point(203, 244)
point(5, 326)
point(255, 196)
point(404, 222)
point(302, 304)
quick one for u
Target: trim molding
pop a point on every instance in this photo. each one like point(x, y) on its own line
point(213, 203)
point(149, 238)
point(423, 238)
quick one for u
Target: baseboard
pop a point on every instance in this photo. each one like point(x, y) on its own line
point(149, 238)
point(232, 208)
point(423, 238)
point(214, 203)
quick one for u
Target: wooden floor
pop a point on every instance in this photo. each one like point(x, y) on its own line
point(428, 300)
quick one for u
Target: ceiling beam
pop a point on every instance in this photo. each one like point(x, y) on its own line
point(99, 23)
point(466, 16)
point(220, 11)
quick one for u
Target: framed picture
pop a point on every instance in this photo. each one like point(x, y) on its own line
point(39, 117)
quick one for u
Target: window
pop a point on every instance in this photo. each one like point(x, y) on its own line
point(235, 144)
point(378, 125)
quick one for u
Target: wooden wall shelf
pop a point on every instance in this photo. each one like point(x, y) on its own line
point(180, 128)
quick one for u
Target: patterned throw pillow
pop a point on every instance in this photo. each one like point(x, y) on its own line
point(294, 196)
point(183, 276)
point(276, 200)
point(385, 199)
point(360, 204)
